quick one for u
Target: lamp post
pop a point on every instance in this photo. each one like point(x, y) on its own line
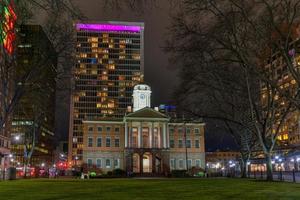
point(76, 158)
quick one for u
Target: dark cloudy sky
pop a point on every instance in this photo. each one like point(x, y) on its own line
point(158, 73)
point(160, 76)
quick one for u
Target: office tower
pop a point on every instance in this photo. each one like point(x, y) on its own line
point(33, 117)
point(109, 63)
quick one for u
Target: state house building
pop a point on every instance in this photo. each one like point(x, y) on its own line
point(144, 141)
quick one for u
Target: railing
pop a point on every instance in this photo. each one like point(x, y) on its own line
point(288, 176)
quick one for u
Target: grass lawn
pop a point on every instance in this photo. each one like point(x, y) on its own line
point(134, 189)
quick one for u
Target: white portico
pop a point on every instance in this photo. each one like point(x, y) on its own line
point(146, 141)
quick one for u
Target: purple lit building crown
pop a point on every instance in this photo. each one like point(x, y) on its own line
point(107, 27)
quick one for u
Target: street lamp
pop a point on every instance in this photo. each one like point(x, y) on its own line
point(17, 137)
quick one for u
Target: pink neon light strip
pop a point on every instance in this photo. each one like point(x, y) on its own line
point(107, 27)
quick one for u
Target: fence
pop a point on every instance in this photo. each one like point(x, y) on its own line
point(288, 176)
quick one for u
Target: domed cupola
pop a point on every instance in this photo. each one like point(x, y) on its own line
point(141, 96)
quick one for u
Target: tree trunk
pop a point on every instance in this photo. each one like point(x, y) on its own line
point(243, 166)
point(269, 167)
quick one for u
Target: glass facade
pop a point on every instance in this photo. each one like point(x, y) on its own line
point(109, 62)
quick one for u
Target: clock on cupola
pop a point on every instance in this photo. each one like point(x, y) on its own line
point(141, 96)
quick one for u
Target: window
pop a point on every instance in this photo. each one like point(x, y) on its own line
point(117, 142)
point(188, 143)
point(197, 144)
point(188, 130)
point(117, 163)
point(99, 142)
point(172, 143)
point(107, 142)
point(90, 142)
point(172, 164)
point(108, 129)
point(180, 144)
point(99, 129)
point(107, 163)
point(89, 162)
point(197, 131)
point(117, 129)
point(181, 164)
point(198, 163)
point(99, 163)
point(179, 130)
point(171, 130)
point(90, 129)
point(189, 164)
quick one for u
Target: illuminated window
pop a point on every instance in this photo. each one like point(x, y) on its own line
point(83, 55)
point(94, 44)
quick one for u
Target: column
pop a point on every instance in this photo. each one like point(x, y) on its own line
point(140, 135)
point(126, 135)
point(168, 136)
point(159, 136)
point(130, 135)
point(153, 164)
point(141, 163)
point(164, 135)
point(150, 134)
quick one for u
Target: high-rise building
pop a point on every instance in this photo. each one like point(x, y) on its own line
point(7, 39)
point(109, 63)
point(33, 117)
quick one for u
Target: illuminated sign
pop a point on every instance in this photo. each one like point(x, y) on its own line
point(8, 19)
point(108, 27)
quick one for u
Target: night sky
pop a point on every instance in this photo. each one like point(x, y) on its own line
point(158, 73)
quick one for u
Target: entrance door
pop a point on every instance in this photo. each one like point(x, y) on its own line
point(146, 164)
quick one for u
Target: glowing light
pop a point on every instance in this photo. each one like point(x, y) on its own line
point(17, 138)
point(7, 26)
point(107, 27)
point(273, 162)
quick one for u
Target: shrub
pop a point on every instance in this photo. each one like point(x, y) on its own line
point(119, 172)
point(179, 173)
point(109, 173)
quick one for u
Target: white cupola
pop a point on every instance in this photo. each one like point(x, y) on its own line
point(141, 97)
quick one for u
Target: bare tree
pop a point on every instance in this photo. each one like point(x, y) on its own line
point(59, 16)
point(235, 33)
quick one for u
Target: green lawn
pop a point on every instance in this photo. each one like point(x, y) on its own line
point(133, 189)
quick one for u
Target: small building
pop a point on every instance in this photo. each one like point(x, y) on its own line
point(219, 160)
